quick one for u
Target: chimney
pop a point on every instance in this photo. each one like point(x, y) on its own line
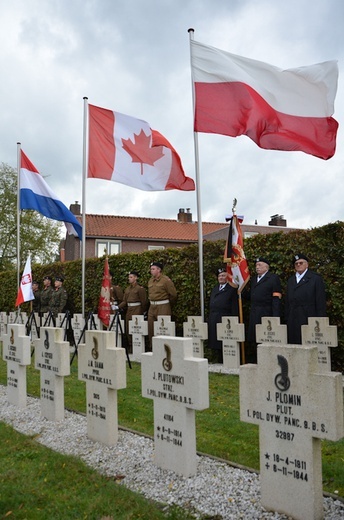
point(75, 208)
point(184, 216)
point(278, 220)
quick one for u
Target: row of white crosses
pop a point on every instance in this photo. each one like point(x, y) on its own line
point(295, 403)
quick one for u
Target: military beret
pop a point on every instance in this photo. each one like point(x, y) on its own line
point(47, 278)
point(59, 278)
point(299, 257)
point(34, 282)
point(157, 264)
point(262, 259)
point(221, 270)
point(135, 273)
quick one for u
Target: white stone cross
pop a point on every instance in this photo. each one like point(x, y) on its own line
point(271, 331)
point(138, 328)
point(17, 317)
point(320, 333)
point(178, 384)
point(102, 366)
point(17, 353)
point(164, 326)
point(231, 333)
point(295, 407)
point(3, 323)
point(196, 329)
point(52, 359)
point(78, 324)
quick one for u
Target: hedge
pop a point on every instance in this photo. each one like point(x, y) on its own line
point(324, 246)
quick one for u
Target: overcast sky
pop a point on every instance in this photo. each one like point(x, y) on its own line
point(133, 56)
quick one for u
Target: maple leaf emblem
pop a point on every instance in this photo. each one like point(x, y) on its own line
point(141, 150)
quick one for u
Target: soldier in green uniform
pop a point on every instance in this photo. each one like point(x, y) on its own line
point(46, 294)
point(162, 294)
point(134, 301)
point(36, 303)
point(58, 297)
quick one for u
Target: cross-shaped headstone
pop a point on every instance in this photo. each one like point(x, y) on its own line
point(52, 359)
point(3, 323)
point(271, 331)
point(78, 324)
point(164, 326)
point(102, 366)
point(295, 407)
point(320, 333)
point(16, 352)
point(196, 329)
point(17, 317)
point(178, 384)
point(231, 333)
point(138, 328)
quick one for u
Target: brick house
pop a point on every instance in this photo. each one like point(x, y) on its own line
point(117, 234)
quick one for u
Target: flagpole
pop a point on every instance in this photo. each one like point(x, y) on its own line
point(18, 213)
point(241, 314)
point(198, 193)
point(83, 205)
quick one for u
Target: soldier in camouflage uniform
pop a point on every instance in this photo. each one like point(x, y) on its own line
point(59, 297)
point(46, 295)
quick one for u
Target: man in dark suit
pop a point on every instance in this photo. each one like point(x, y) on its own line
point(305, 298)
point(265, 296)
point(223, 302)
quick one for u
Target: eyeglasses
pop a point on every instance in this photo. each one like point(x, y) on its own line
point(299, 263)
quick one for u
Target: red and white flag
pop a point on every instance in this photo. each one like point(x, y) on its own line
point(25, 293)
point(278, 109)
point(126, 150)
point(237, 268)
point(104, 299)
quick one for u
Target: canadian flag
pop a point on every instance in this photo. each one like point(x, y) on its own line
point(25, 293)
point(104, 299)
point(126, 150)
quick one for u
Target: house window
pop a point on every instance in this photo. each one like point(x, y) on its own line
point(111, 247)
point(154, 248)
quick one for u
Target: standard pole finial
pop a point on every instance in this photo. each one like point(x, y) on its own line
point(234, 206)
point(191, 30)
point(85, 97)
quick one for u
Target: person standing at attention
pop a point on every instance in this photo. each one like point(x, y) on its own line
point(305, 298)
point(265, 295)
point(134, 301)
point(162, 295)
point(223, 302)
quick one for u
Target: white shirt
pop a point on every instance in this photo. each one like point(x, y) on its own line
point(300, 276)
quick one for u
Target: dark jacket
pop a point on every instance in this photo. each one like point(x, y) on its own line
point(303, 300)
point(222, 303)
point(263, 301)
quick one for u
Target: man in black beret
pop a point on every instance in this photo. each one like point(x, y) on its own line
point(223, 302)
point(36, 303)
point(46, 294)
point(59, 297)
point(305, 298)
point(162, 295)
point(134, 301)
point(265, 295)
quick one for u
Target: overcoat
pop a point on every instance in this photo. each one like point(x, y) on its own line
point(222, 303)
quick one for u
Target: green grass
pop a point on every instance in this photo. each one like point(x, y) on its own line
point(37, 483)
point(219, 430)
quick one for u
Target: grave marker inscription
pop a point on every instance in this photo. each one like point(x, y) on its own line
point(178, 384)
point(295, 407)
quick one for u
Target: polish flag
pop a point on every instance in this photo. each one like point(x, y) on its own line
point(25, 293)
point(104, 299)
point(237, 267)
point(126, 150)
point(278, 109)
